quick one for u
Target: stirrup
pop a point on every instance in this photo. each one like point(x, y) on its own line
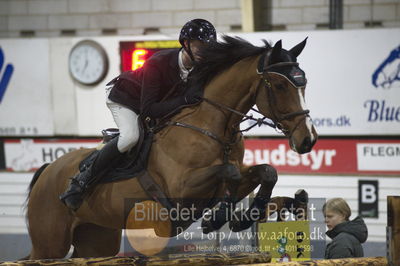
point(80, 183)
point(109, 134)
point(75, 187)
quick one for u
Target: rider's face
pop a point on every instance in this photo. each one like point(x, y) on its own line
point(195, 46)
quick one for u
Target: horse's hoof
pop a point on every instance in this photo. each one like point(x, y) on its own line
point(243, 219)
point(240, 222)
point(207, 226)
point(301, 195)
point(234, 225)
point(211, 223)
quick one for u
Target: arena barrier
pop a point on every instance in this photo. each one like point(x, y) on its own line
point(180, 259)
point(201, 260)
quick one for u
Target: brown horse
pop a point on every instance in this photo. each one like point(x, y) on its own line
point(185, 162)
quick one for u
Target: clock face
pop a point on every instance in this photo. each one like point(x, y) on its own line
point(88, 63)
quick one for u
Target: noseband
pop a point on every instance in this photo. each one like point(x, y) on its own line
point(263, 70)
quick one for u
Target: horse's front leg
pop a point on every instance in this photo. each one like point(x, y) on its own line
point(228, 174)
point(251, 178)
point(205, 187)
point(265, 175)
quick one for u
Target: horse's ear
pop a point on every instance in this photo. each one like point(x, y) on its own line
point(295, 51)
point(276, 52)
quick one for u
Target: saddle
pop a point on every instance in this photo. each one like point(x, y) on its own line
point(130, 164)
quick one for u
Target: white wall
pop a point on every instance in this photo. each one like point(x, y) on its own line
point(48, 18)
point(13, 192)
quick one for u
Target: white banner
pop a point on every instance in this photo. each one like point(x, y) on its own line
point(353, 79)
point(378, 156)
point(26, 106)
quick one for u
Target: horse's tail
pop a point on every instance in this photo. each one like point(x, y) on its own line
point(35, 178)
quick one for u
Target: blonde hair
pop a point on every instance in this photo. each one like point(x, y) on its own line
point(337, 205)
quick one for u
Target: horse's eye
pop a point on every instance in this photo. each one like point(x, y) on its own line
point(280, 87)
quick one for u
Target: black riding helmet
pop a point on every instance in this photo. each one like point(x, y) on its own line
point(197, 29)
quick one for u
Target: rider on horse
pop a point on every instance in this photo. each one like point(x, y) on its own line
point(143, 91)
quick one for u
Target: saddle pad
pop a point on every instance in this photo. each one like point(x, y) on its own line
point(129, 166)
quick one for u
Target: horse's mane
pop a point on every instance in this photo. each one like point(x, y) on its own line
point(218, 56)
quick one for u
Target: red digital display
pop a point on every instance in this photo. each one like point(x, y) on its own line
point(134, 54)
point(138, 58)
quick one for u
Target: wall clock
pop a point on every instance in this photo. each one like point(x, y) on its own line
point(88, 62)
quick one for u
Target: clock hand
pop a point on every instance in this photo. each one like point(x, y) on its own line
point(85, 66)
point(86, 61)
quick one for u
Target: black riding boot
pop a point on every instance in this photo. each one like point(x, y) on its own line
point(73, 196)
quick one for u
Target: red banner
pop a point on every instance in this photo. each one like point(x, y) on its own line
point(331, 156)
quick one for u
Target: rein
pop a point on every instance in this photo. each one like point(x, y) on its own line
point(259, 121)
point(226, 145)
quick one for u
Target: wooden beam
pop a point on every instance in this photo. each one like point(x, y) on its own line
point(247, 15)
point(178, 259)
point(254, 259)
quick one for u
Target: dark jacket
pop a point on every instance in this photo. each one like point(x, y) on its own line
point(346, 240)
point(150, 84)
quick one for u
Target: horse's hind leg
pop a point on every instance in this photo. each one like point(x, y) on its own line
point(90, 240)
point(49, 221)
point(50, 234)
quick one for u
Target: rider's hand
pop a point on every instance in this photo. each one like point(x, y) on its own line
point(192, 99)
point(192, 96)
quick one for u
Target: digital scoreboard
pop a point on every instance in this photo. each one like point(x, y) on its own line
point(134, 53)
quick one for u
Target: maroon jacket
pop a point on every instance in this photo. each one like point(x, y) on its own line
point(143, 89)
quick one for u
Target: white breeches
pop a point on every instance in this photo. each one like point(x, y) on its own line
point(127, 123)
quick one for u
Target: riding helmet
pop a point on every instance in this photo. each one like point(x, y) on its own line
point(198, 29)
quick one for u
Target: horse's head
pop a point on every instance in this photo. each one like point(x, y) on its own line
point(280, 96)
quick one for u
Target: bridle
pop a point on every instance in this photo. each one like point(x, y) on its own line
point(263, 71)
point(277, 118)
